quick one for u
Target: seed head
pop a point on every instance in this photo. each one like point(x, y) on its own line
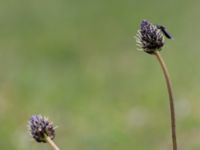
point(149, 38)
point(40, 127)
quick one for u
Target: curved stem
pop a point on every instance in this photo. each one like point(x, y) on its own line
point(51, 143)
point(171, 98)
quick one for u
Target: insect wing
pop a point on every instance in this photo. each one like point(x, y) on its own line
point(164, 31)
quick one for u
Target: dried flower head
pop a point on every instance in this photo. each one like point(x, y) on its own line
point(149, 37)
point(40, 127)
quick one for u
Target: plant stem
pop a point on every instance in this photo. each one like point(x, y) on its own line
point(171, 98)
point(51, 143)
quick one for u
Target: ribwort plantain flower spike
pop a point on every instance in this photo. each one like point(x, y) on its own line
point(149, 38)
point(40, 128)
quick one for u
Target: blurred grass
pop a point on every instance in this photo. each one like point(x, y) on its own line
point(76, 62)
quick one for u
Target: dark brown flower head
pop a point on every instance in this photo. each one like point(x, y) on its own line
point(40, 127)
point(149, 37)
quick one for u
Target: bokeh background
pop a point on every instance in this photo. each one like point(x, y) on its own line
point(76, 62)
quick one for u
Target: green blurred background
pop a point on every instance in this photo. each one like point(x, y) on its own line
point(76, 62)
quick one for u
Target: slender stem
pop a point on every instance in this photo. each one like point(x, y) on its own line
point(51, 143)
point(171, 98)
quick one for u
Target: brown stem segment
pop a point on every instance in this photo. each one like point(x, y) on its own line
point(171, 98)
point(51, 143)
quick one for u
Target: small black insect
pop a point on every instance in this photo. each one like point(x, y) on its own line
point(164, 31)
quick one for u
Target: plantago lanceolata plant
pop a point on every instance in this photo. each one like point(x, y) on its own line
point(42, 130)
point(150, 39)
